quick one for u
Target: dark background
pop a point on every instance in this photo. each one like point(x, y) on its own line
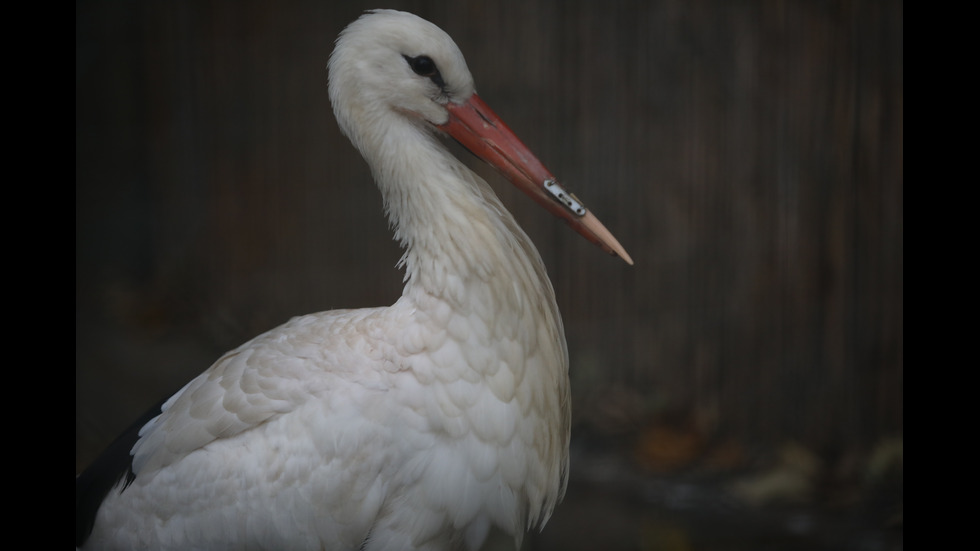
point(748, 154)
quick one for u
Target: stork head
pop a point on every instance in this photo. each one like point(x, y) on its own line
point(389, 62)
point(392, 60)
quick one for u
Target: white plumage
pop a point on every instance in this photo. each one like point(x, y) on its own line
point(416, 426)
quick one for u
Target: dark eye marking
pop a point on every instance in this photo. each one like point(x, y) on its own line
point(424, 66)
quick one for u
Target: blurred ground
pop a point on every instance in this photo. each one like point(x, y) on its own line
point(783, 501)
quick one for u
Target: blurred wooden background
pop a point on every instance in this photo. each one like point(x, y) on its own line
point(749, 155)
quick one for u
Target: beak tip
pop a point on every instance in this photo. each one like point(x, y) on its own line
point(603, 237)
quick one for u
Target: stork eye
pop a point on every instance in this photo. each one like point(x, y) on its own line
point(425, 67)
point(422, 65)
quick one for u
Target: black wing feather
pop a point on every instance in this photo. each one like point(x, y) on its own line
point(109, 468)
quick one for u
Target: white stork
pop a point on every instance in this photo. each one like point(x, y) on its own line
point(421, 425)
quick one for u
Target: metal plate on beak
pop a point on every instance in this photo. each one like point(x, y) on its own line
point(564, 197)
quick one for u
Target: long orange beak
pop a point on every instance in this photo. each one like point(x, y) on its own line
point(479, 129)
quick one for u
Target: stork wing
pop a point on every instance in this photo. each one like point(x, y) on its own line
point(268, 376)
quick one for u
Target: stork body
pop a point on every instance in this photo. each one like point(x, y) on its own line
point(415, 426)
